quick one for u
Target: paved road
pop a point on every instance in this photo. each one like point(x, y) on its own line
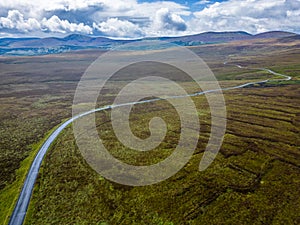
point(20, 209)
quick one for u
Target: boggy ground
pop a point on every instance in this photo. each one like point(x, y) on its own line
point(254, 179)
point(260, 146)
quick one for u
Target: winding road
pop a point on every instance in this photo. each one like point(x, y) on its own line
point(19, 213)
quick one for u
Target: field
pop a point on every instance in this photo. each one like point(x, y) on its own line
point(254, 179)
point(32, 103)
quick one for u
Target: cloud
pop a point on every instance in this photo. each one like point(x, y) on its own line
point(165, 20)
point(120, 8)
point(114, 27)
point(118, 18)
point(253, 16)
point(202, 2)
point(132, 18)
point(15, 20)
point(55, 24)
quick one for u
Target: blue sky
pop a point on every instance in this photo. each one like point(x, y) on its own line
point(192, 3)
point(145, 18)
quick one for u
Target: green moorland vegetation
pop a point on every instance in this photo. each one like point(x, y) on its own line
point(36, 95)
point(254, 179)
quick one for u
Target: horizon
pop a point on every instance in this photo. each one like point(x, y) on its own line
point(137, 19)
point(146, 37)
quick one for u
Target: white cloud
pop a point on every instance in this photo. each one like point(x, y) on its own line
point(55, 24)
point(254, 16)
point(130, 18)
point(202, 2)
point(114, 27)
point(132, 9)
point(124, 18)
point(15, 20)
point(166, 21)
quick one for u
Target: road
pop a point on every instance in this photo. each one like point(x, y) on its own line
point(19, 213)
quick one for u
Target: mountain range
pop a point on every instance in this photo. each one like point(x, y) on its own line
point(53, 45)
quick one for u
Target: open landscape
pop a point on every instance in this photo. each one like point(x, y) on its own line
point(150, 112)
point(253, 180)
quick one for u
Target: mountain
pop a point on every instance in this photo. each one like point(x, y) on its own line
point(52, 45)
point(273, 34)
point(288, 39)
point(205, 38)
point(214, 37)
point(71, 40)
point(9, 41)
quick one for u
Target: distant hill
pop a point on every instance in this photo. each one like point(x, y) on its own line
point(206, 38)
point(214, 37)
point(71, 40)
point(9, 41)
point(52, 45)
point(290, 38)
point(274, 34)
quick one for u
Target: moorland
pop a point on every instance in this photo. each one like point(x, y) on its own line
point(254, 179)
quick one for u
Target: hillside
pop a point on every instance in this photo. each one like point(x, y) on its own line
point(53, 45)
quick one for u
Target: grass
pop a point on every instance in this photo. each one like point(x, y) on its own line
point(253, 180)
point(31, 105)
point(9, 195)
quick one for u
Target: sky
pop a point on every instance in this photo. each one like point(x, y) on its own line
point(145, 18)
